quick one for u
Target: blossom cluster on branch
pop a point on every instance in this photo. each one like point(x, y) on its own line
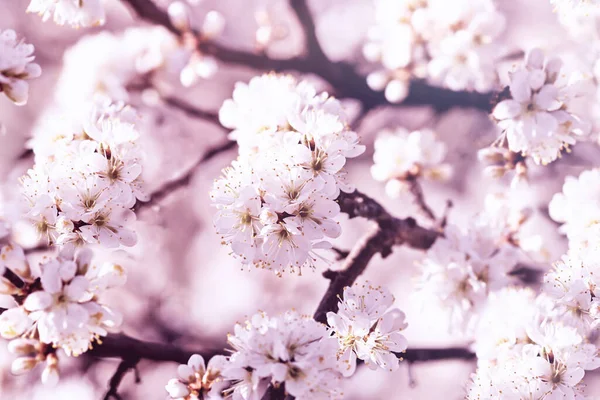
point(276, 203)
point(296, 352)
point(450, 44)
point(57, 305)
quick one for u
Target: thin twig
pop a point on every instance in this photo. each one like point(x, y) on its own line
point(417, 191)
point(115, 380)
point(184, 179)
point(425, 354)
point(191, 110)
point(128, 348)
point(343, 77)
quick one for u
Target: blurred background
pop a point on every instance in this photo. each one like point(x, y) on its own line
point(183, 286)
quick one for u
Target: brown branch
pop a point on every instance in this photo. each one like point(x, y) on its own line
point(425, 354)
point(417, 191)
point(343, 77)
point(13, 278)
point(127, 348)
point(115, 380)
point(388, 232)
point(184, 179)
point(191, 110)
point(314, 50)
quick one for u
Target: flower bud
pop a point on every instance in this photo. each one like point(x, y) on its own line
point(494, 171)
point(177, 389)
point(377, 80)
point(50, 376)
point(213, 25)
point(178, 14)
point(23, 365)
point(396, 91)
point(372, 52)
point(24, 346)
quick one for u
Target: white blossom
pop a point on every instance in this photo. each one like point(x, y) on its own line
point(16, 67)
point(452, 44)
point(573, 286)
point(76, 13)
point(66, 311)
point(461, 269)
point(577, 207)
point(367, 329)
point(401, 155)
point(291, 349)
point(198, 380)
point(276, 203)
point(537, 120)
point(81, 190)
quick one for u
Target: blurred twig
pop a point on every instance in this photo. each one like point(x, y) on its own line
point(183, 180)
point(191, 110)
point(342, 76)
point(417, 191)
point(115, 380)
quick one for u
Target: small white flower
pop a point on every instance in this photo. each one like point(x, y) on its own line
point(198, 380)
point(461, 269)
point(290, 349)
point(402, 155)
point(16, 67)
point(72, 12)
point(537, 120)
point(366, 329)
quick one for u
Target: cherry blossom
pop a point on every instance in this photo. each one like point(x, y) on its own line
point(462, 269)
point(403, 156)
point(16, 67)
point(536, 120)
point(75, 13)
point(276, 203)
point(452, 45)
point(291, 349)
point(198, 380)
point(57, 307)
point(83, 190)
point(367, 329)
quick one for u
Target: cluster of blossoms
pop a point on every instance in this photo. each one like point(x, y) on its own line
point(76, 13)
point(110, 64)
point(402, 156)
point(83, 190)
point(524, 355)
point(537, 120)
point(276, 203)
point(57, 306)
point(577, 207)
point(295, 350)
point(16, 67)
point(367, 329)
point(289, 348)
point(461, 269)
point(574, 285)
point(450, 43)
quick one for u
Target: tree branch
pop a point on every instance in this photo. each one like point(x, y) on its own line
point(129, 349)
point(417, 191)
point(425, 354)
point(389, 231)
point(115, 380)
point(191, 110)
point(343, 77)
point(184, 179)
